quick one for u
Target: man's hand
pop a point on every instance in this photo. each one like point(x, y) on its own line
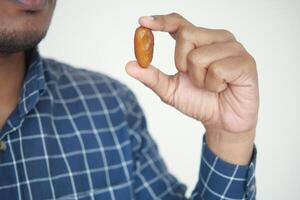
point(216, 84)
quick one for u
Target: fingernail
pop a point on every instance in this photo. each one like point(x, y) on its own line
point(148, 18)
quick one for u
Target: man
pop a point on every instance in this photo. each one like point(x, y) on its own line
point(68, 133)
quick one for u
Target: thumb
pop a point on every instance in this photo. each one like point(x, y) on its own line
point(163, 85)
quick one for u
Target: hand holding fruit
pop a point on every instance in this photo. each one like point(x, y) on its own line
point(216, 83)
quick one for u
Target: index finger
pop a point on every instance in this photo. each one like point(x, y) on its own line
point(179, 27)
point(165, 23)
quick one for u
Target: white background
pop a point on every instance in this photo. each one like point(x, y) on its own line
point(98, 35)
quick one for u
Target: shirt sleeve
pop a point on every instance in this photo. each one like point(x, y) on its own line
point(152, 180)
point(221, 180)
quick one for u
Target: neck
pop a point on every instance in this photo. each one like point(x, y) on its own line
point(12, 71)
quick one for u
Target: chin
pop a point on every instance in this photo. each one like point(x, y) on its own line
point(13, 18)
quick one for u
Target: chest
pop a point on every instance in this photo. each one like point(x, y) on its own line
point(65, 151)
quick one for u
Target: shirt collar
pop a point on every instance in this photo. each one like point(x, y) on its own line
point(34, 82)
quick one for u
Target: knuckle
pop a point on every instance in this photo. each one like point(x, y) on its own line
point(252, 64)
point(184, 33)
point(215, 70)
point(248, 65)
point(249, 60)
point(196, 60)
point(175, 14)
point(192, 58)
point(252, 60)
point(179, 19)
point(237, 46)
point(227, 34)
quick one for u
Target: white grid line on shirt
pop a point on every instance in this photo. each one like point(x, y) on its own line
point(45, 154)
point(208, 177)
point(15, 169)
point(97, 139)
point(65, 175)
point(70, 173)
point(220, 174)
point(229, 183)
point(24, 166)
point(75, 128)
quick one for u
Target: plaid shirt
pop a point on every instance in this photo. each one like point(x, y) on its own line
point(77, 134)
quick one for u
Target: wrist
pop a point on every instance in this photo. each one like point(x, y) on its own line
point(235, 148)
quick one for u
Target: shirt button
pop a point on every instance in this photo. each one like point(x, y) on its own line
point(2, 146)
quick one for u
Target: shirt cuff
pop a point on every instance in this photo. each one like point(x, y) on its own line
point(220, 179)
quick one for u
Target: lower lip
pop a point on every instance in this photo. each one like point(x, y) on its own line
point(32, 5)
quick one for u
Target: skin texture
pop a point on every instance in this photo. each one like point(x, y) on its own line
point(216, 81)
point(216, 84)
point(143, 46)
point(21, 28)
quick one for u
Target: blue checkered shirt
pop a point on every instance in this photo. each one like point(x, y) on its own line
point(77, 134)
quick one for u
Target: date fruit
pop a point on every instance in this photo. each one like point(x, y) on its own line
point(143, 46)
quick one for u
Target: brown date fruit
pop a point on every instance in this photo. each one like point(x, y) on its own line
point(143, 46)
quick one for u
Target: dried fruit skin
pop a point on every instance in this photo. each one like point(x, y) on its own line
point(143, 46)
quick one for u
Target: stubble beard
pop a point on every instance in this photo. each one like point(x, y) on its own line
point(17, 41)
